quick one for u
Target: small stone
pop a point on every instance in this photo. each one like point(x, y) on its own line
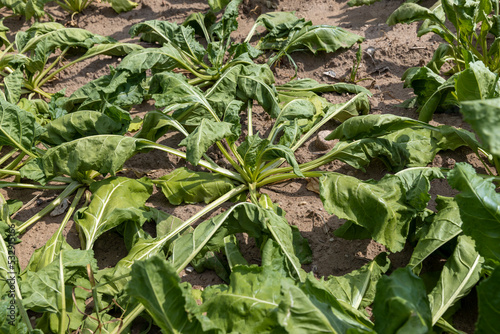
point(346, 255)
point(331, 239)
point(302, 203)
point(189, 269)
point(32, 317)
point(330, 74)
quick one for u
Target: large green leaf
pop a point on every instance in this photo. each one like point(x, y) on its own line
point(114, 201)
point(460, 274)
point(420, 140)
point(13, 84)
point(255, 82)
point(483, 116)
point(445, 226)
point(378, 206)
point(122, 5)
point(261, 300)
point(416, 182)
point(120, 88)
point(401, 304)
point(164, 32)
point(411, 12)
point(204, 136)
point(81, 124)
point(165, 58)
point(103, 153)
point(479, 206)
point(358, 287)
point(313, 38)
point(156, 124)
point(488, 294)
point(476, 83)
point(183, 185)
point(42, 289)
point(17, 127)
point(173, 91)
point(156, 285)
point(311, 85)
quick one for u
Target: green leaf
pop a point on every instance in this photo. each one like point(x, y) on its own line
point(114, 200)
point(261, 300)
point(380, 207)
point(156, 124)
point(255, 82)
point(218, 5)
point(103, 153)
point(81, 124)
point(156, 285)
point(479, 206)
point(271, 152)
point(411, 12)
point(353, 3)
point(164, 32)
point(183, 185)
point(173, 91)
point(204, 136)
point(483, 116)
point(17, 127)
point(251, 148)
point(401, 304)
point(307, 84)
point(358, 287)
point(107, 93)
point(445, 226)
point(42, 289)
point(13, 84)
point(476, 83)
point(488, 294)
point(161, 59)
point(122, 5)
point(416, 182)
point(314, 38)
point(460, 274)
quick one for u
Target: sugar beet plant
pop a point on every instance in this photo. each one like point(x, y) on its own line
point(213, 105)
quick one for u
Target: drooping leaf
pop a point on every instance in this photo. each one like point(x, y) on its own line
point(313, 38)
point(311, 85)
point(358, 287)
point(411, 12)
point(401, 304)
point(164, 32)
point(156, 124)
point(161, 59)
point(483, 116)
point(17, 127)
point(479, 206)
point(489, 304)
point(81, 124)
point(460, 274)
point(476, 82)
point(445, 226)
point(204, 136)
point(156, 285)
point(102, 153)
point(114, 201)
point(13, 84)
point(183, 185)
point(42, 289)
point(173, 91)
point(122, 5)
point(378, 206)
point(416, 182)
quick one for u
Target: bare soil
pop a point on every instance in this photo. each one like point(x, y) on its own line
point(397, 48)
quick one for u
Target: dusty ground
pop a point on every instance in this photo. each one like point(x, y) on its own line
point(396, 49)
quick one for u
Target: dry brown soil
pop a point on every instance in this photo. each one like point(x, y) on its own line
point(396, 49)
